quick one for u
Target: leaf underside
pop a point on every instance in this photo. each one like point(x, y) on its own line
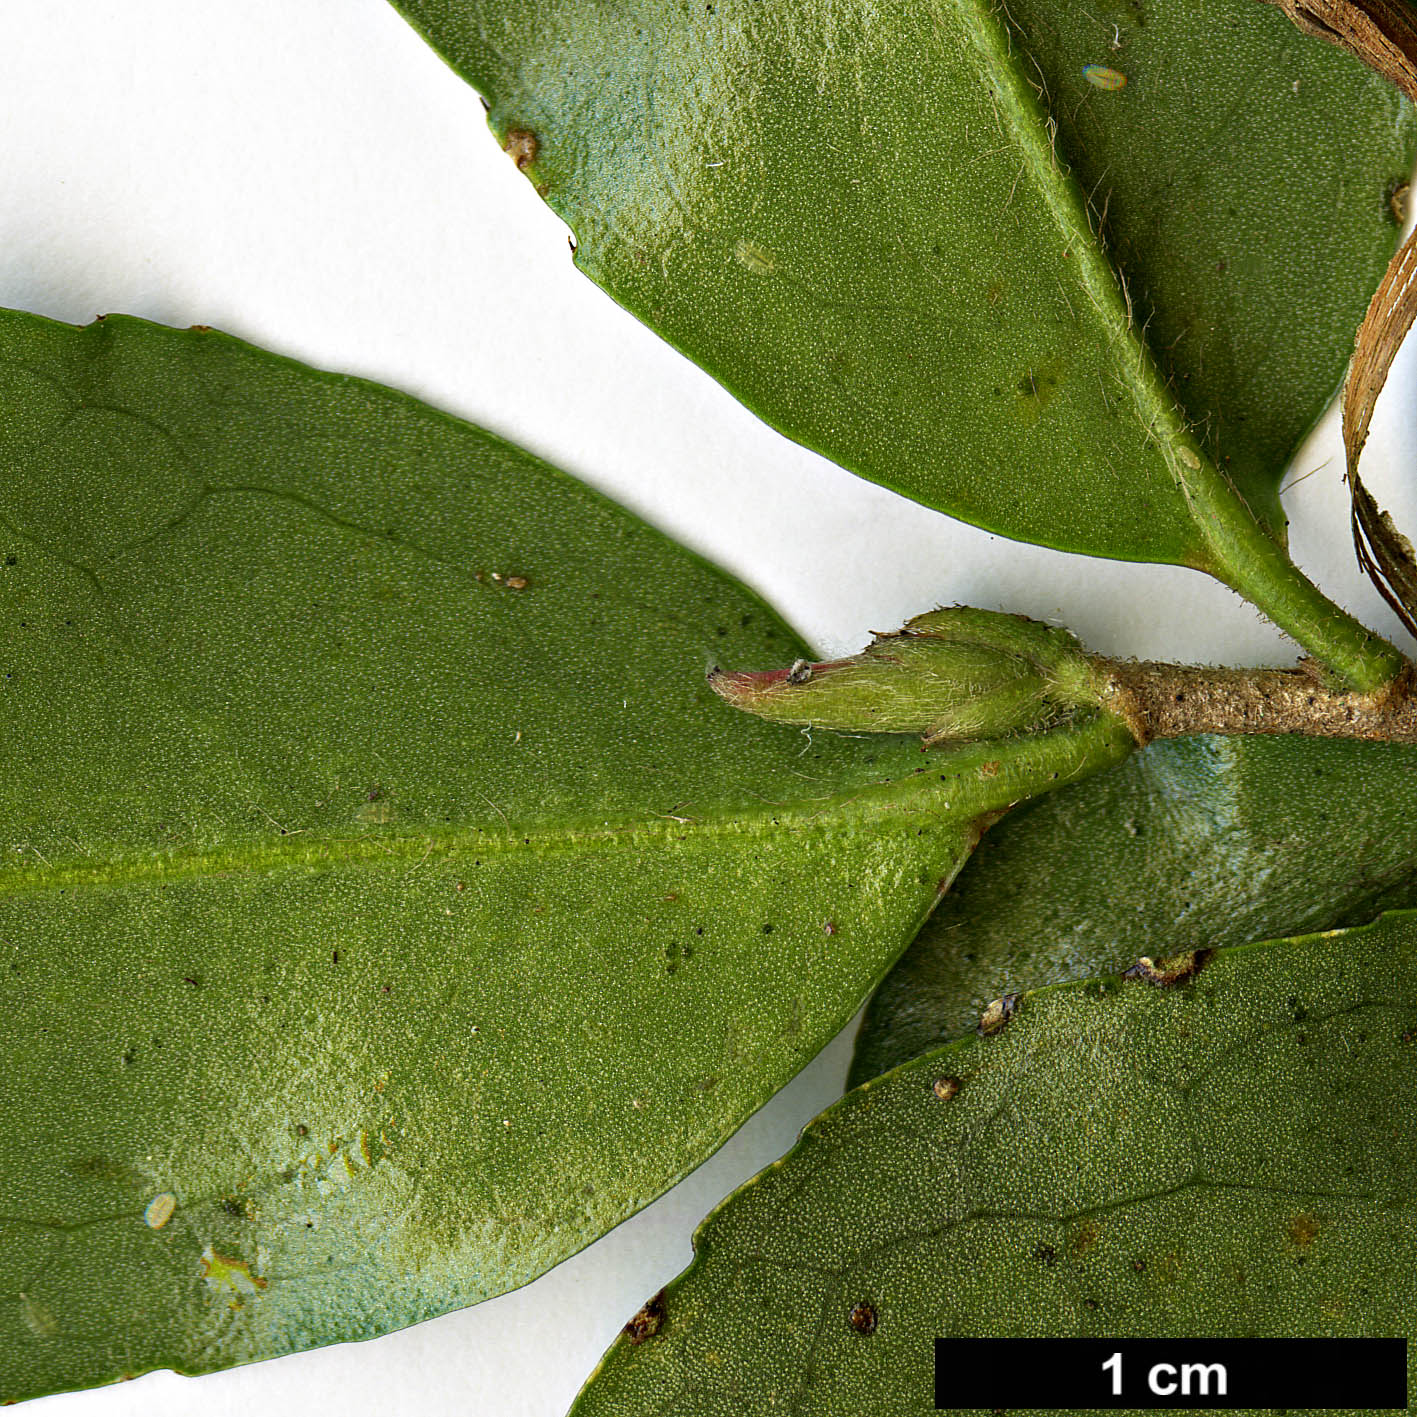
point(1190, 844)
point(876, 225)
point(1235, 1155)
point(388, 907)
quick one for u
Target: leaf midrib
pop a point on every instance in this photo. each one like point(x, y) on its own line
point(1020, 109)
point(540, 839)
point(962, 784)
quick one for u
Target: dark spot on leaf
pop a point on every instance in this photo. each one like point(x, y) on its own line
point(863, 1318)
point(522, 146)
point(1165, 972)
point(301, 1130)
point(374, 793)
point(103, 1168)
point(1085, 1238)
point(1046, 1255)
point(648, 1321)
point(829, 928)
point(767, 929)
point(997, 1014)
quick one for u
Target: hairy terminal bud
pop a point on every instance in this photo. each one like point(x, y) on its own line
point(949, 675)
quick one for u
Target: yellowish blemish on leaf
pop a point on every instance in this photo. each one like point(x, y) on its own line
point(757, 259)
point(1036, 388)
point(226, 1275)
point(159, 1210)
point(378, 813)
point(1169, 1267)
point(1188, 457)
point(38, 1317)
point(1100, 76)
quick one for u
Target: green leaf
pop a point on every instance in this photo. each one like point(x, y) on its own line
point(864, 221)
point(388, 906)
point(1193, 843)
point(1232, 1156)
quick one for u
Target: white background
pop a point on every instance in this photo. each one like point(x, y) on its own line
point(309, 176)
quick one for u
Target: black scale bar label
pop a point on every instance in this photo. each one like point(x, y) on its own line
point(1067, 1374)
